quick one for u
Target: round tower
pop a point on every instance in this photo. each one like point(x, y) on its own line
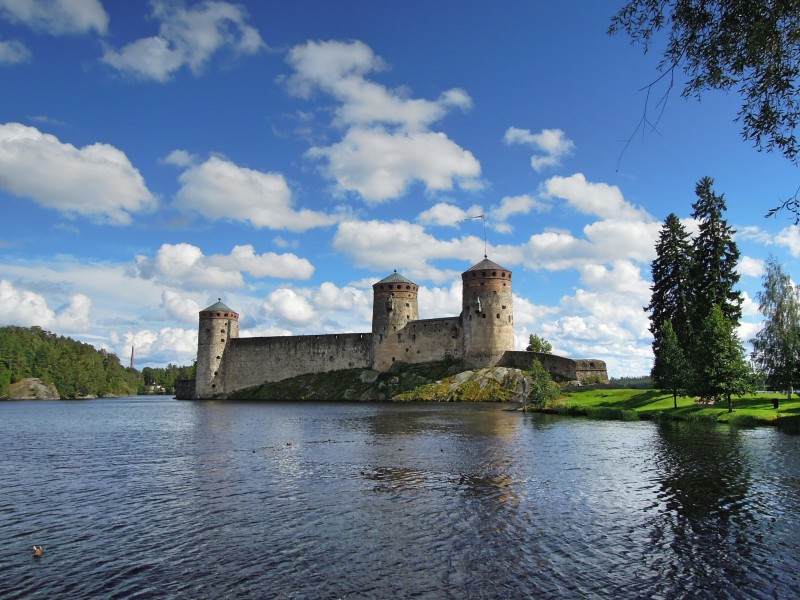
point(218, 324)
point(394, 305)
point(487, 313)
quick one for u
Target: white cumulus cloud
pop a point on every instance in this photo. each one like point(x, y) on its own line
point(552, 145)
point(598, 199)
point(286, 304)
point(13, 52)
point(57, 17)
point(219, 190)
point(26, 309)
point(96, 181)
point(187, 37)
point(185, 265)
point(380, 165)
point(387, 144)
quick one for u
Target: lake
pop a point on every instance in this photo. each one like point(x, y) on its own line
point(149, 497)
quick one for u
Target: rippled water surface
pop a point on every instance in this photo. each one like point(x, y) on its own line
point(151, 497)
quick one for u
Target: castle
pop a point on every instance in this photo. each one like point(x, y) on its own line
point(481, 336)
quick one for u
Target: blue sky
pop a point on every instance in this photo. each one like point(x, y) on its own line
point(284, 156)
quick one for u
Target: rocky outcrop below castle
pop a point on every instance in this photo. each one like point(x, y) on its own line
point(444, 381)
point(32, 388)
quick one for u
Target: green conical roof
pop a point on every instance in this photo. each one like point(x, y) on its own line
point(218, 306)
point(396, 278)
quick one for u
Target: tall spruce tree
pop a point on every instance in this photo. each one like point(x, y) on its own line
point(714, 256)
point(776, 347)
point(670, 290)
point(671, 369)
point(719, 370)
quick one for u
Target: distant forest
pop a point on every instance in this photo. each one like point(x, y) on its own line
point(77, 369)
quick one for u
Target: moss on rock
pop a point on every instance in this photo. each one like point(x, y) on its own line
point(442, 381)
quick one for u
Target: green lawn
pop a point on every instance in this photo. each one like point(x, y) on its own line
point(652, 404)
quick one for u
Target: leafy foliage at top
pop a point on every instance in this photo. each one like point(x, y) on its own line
point(776, 347)
point(752, 46)
point(538, 344)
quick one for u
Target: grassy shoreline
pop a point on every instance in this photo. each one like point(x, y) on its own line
point(636, 404)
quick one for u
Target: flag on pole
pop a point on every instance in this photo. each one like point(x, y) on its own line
point(483, 216)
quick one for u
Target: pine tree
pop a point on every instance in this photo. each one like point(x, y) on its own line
point(776, 348)
point(714, 256)
point(670, 290)
point(671, 366)
point(720, 369)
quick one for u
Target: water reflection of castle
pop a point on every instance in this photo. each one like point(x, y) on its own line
point(482, 336)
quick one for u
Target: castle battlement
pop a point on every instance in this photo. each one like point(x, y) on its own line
point(481, 336)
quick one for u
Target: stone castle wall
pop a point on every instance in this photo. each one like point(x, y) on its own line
point(428, 340)
point(482, 336)
point(253, 361)
point(561, 369)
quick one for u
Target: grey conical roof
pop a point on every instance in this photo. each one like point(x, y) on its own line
point(485, 265)
point(396, 278)
point(218, 306)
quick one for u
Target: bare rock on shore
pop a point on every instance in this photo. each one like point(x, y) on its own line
point(32, 388)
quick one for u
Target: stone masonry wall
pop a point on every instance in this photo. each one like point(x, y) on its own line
point(252, 361)
point(560, 368)
point(591, 370)
point(428, 340)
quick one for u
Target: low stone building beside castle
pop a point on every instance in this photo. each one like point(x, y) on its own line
point(481, 336)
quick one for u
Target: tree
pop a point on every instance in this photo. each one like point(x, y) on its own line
point(751, 46)
point(671, 371)
point(538, 344)
point(713, 273)
point(540, 386)
point(776, 347)
point(669, 300)
point(720, 370)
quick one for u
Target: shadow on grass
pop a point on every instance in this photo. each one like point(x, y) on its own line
point(637, 401)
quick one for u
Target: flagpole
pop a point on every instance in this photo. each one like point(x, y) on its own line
point(483, 217)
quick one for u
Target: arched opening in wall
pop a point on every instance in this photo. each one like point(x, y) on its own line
point(222, 331)
point(498, 315)
point(222, 340)
point(483, 315)
point(393, 359)
point(218, 357)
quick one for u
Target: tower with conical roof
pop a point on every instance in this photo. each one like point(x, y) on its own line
point(218, 324)
point(487, 313)
point(394, 306)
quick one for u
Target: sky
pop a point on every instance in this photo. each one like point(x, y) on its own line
point(284, 156)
